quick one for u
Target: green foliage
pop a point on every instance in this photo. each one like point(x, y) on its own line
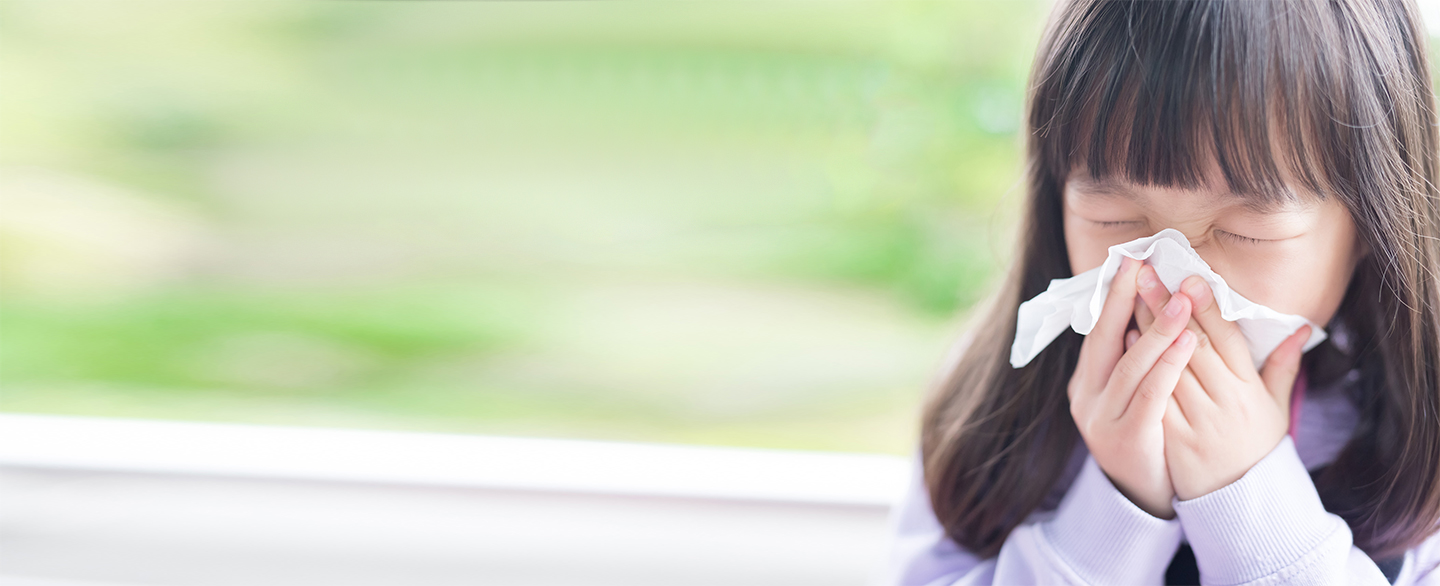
point(374, 180)
point(211, 337)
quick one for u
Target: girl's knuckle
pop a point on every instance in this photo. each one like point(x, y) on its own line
point(1173, 358)
point(1202, 340)
point(1229, 337)
point(1128, 369)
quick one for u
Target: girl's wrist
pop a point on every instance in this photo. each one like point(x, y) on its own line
point(1164, 511)
point(1160, 509)
point(1199, 486)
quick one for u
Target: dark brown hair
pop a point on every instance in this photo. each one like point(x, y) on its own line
point(1156, 92)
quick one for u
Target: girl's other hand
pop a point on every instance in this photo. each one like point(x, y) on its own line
point(1118, 396)
point(1224, 416)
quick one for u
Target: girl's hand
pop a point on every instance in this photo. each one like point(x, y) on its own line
point(1118, 396)
point(1224, 416)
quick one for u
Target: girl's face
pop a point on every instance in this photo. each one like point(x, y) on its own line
point(1300, 261)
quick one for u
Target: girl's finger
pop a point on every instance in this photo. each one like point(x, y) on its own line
point(1153, 394)
point(1130, 338)
point(1194, 402)
point(1104, 345)
point(1283, 365)
point(1205, 363)
point(1144, 316)
point(1212, 376)
point(1175, 420)
point(1119, 303)
point(1224, 334)
point(1154, 295)
point(1142, 356)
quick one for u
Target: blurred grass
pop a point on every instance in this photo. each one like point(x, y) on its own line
point(739, 223)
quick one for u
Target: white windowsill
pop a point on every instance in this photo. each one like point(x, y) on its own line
point(450, 460)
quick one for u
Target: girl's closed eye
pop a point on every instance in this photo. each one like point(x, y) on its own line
point(1240, 238)
point(1230, 235)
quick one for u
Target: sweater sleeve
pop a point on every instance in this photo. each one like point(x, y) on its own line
point(1095, 536)
point(1269, 527)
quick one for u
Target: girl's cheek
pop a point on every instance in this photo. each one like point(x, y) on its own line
point(1087, 250)
point(1283, 282)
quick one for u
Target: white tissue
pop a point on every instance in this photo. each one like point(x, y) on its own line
point(1076, 302)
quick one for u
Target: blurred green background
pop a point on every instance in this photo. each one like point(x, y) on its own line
point(755, 224)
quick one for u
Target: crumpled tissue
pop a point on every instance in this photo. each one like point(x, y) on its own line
point(1076, 302)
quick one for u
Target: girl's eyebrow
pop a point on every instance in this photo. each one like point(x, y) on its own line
point(1111, 189)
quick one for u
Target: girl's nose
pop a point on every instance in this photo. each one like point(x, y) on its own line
point(1197, 237)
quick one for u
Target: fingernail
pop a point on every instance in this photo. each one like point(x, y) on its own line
point(1195, 289)
point(1147, 279)
point(1172, 308)
point(1186, 337)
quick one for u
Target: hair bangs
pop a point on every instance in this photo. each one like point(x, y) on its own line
point(1193, 95)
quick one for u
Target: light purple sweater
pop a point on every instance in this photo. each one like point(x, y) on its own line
point(1268, 527)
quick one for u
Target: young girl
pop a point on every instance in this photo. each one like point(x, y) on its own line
point(1295, 144)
